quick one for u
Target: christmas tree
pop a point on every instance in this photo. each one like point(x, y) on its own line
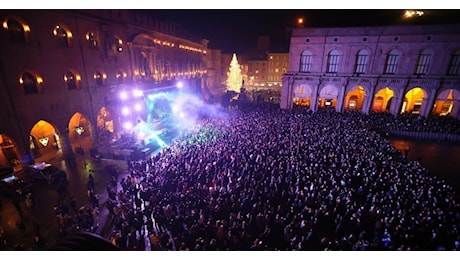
point(235, 79)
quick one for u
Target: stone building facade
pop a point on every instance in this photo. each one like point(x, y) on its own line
point(61, 72)
point(395, 69)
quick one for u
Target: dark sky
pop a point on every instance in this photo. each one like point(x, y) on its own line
point(236, 30)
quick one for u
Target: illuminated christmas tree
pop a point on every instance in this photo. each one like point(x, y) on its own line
point(235, 79)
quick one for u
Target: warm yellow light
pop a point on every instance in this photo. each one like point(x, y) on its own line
point(411, 13)
point(87, 36)
point(21, 81)
point(26, 28)
point(5, 25)
point(69, 34)
point(125, 75)
point(78, 77)
point(39, 80)
point(300, 20)
point(104, 76)
point(65, 78)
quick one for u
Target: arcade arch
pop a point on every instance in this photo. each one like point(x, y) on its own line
point(105, 126)
point(355, 98)
point(446, 102)
point(413, 101)
point(302, 95)
point(328, 97)
point(382, 100)
point(44, 141)
point(80, 133)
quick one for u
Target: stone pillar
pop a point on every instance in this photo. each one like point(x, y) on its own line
point(369, 100)
point(314, 98)
point(286, 92)
point(455, 113)
point(340, 99)
point(66, 146)
point(428, 103)
point(396, 104)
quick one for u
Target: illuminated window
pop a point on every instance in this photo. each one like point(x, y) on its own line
point(71, 80)
point(333, 62)
point(30, 83)
point(361, 62)
point(392, 62)
point(120, 76)
point(118, 44)
point(63, 35)
point(92, 41)
point(305, 61)
point(454, 66)
point(99, 78)
point(17, 31)
point(424, 61)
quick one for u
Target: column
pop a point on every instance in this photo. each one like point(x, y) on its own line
point(314, 98)
point(428, 103)
point(340, 99)
point(369, 100)
point(286, 92)
point(66, 146)
point(396, 104)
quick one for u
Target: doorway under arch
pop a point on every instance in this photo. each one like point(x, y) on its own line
point(328, 97)
point(105, 126)
point(413, 101)
point(446, 102)
point(355, 98)
point(44, 141)
point(80, 133)
point(382, 100)
point(302, 95)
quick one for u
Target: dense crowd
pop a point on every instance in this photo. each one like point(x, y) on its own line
point(269, 179)
point(415, 123)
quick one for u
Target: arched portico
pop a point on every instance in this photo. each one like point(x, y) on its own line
point(382, 100)
point(354, 99)
point(328, 96)
point(302, 95)
point(447, 103)
point(413, 101)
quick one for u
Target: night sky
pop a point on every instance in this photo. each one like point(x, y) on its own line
point(236, 30)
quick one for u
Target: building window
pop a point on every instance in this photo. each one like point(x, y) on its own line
point(121, 76)
point(118, 44)
point(99, 77)
point(71, 80)
point(92, 41)
point(63, 35)
point(424, 60)
point(361, 62)
point(392, 62)
point(30, 83)
point(17, 31)
point(454, 66)
point(333, 62)
point(305, 61)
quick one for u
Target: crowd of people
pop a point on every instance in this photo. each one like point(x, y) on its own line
point(271, 179)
